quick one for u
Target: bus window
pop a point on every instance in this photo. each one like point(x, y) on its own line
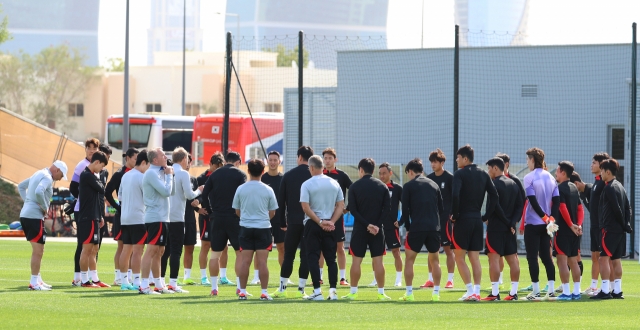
point(173, 138)
point(138, 135)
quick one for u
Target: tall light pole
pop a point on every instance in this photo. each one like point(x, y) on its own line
point(125, 111)
point(184, 51)
point(422, 28)
point(237, 65)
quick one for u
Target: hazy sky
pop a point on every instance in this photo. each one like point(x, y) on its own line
point(550, 22)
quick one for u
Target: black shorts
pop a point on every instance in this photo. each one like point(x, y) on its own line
point(158, 232)
point(567, 245)
point(596, 239)
point(339, 233)
point(430, 239)
point(223, 229)
point(445, 233)
point(392, 238)
point(205, 228)
point(89, 232)
point(133, 234)
point(277, 232)
point(190, 233)
point(502, 243)
point(613, 244)
point(116, 229)
point(361, 240)
point(33, 230)
point(255, 239)
point(467, 234)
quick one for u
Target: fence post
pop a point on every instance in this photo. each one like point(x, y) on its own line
point(125, 111)
point(300, 85)
point(227, 92)
point(456, 93)
point(632, 165)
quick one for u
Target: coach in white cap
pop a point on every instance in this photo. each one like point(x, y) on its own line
point(36, 192)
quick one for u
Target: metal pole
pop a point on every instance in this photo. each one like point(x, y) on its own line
point(125, 111)
point(422, 28)
point(456, 93)
point(238, 65)
point(632, 165)
point(227, 91)
point(300, 85)
point(184, 52)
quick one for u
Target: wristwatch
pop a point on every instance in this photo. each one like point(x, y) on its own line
point(320, 222)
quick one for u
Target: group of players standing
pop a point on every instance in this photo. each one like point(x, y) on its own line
point(157, 201)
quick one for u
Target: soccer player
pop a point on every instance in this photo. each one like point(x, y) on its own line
point(421, 208)
point(566, 241)
point(157, 187)
point(217, 198)
point(36, 191)
point(255, 204)
point(543, 200)
point(89, 222)
point(590, 195)
point(104, 177)
point(323, 204)
point(190, 229)
point(330, 159)
point(615, 217)
point(90, 147)
point(114, 185)
point(292, 222)
point(370, 204)
point(272, 179)
point(575, 179)
point(390, 223)
point(444, 180)
point(501, 230)
point(134, 231)
point(177, 202)
point(470, 184)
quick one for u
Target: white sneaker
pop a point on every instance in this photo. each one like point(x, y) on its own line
point(333, 296)
point(117, 282)
point(255, 281)
point(45, 285)
point(177, 289)
point(374, 283)
point(399, 283)
point(464, 297)
point(164, 290)
point(315, 296)
point(591, 291)
point(38, 288)
point(147, 291)
point(76, 283)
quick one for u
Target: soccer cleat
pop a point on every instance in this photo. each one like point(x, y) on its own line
point(177, 289)
point(189, 281)
point(301, 294)
point(351, 296)
point(255, 281)
point(550, 296)
point(383, 297)
point(533, 297)
point(246, 293)
point(428, 284)
point(265, 297)
point(89, 285)
point(204, 281)
point(76, 283)
point(464, 297)
point(449, 285)
point(38, 288)
point(45, 285)
point(564, 297)
point(398, 284)
point(559, 289)
point(225, 281)
point(344, 282)
point(117, 282)
point(473, 297)
point(617, 295)
point(576, 296)
point(512, 297)
point(164, 290)
point(315, 296)
point(332, 296)
point(127, 287)
point(435, 297)
point(527, 289)
point(406, 297)
point(591, 291)
point(601, 295)
point(147, 291)
point(242, 296)
point(374, 283)
point(214, 293)
point(102, 284)
point(546, 288)
point(491, 298)
point(279, 294)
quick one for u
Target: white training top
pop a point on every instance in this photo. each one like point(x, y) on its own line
point(322, 193)
point(156, 188)
point(131, 198)
point(36, 192)
point(178, 201)
point(255, 199)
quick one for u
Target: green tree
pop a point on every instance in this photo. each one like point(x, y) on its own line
point(115, 65)
point(4, 32)
point(206, 109)
point(16, 79)
point(286, 56)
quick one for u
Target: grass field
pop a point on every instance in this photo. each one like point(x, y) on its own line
point(69, 307)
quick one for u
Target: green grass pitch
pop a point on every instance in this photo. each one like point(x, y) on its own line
point(69, 308)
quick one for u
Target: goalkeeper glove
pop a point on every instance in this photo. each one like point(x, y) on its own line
point(551, 228)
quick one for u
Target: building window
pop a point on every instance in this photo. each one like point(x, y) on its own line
point(272, 107)
point(76, 110)
point(154, 107)
point(191, 109)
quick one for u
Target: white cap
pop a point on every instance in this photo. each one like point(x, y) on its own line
point(62, 166)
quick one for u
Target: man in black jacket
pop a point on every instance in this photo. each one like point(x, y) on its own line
point(91, 192)
point(421, 208)
point(615, 217)
point(501, 230)
point(369, 203)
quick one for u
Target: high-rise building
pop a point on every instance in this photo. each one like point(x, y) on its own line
point(165, 32)
point(492, 22)
point(37, 24)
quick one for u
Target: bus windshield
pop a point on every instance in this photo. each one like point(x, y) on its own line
point(138, 135)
